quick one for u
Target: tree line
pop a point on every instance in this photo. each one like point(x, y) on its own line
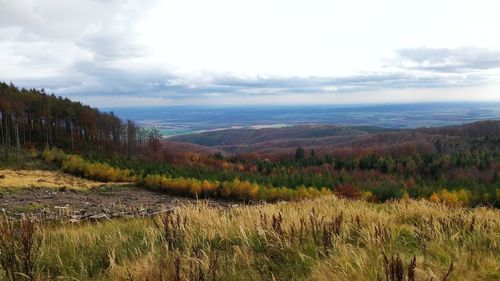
point(31, 118)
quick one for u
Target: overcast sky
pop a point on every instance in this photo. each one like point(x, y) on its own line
point(128, 53)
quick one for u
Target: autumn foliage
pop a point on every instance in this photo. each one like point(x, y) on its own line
point(234, 190)
point(238, 190)
point(76, 165)
point(348, 191)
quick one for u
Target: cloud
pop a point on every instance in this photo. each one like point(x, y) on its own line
point(448, 60)
point(96, 78)
point(97, 49)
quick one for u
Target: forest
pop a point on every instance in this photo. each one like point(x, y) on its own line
point(34, 119)
point(458, 165)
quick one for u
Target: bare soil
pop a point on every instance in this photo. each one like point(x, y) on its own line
point(93, 204)
point(51, 195)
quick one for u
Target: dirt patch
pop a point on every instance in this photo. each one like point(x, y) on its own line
point(105, 202)
point(22, 179)
point(53, 195)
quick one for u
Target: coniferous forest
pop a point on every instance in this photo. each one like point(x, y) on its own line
point(33, 118)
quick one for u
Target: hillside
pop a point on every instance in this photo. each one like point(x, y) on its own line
point(327, 139)
point(487, 128)
point(248, 137)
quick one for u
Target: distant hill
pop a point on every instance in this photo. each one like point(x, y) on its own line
point(247, 136)
point(477, 129)
point(329, 138)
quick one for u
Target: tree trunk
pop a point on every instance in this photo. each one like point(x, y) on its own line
point(72, 137)
point(47, 141)
point(4, 142)
point(6, 139)
point(18, 145)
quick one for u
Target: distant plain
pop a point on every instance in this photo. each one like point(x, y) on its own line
point(178, 120)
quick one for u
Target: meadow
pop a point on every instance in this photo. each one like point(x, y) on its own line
point(320, 239)
point(24, 179)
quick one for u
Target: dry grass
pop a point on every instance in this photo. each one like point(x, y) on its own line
point(321, 239)
point(19, 179)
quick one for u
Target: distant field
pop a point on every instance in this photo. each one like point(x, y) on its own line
point(179, 120)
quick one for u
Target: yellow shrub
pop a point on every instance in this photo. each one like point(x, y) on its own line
point(460, 197)
point(33, 153)
point(195, 189)
point(448, 197)
point(152, 181)
point(103, 172)
point(235, 189)
point(464, 197)
point(368, 196)
point(435, 198)
point(208, 188)
point(53, 155)
point(302, 193)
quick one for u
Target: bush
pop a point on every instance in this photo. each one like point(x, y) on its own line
point(368, 196)
point(235, 190)
point(76, 165)
point(53, 155)
point(241, 190)
point(348, 191)
point(459, 197)
point(435, 198)
point(181, 186)
point(388, 191)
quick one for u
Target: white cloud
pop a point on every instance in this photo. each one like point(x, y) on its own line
point(229, 51)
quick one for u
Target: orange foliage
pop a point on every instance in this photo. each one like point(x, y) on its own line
point(435, 198)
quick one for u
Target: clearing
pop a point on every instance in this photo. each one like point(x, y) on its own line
point(53, 195)
point(22, 179)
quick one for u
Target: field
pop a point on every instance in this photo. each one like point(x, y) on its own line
point(175, 120)
point(22, 179)
point(321, 239)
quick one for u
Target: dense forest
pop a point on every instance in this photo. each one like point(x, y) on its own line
point(33, 118)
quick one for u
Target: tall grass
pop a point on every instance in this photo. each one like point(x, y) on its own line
point(321, 239)
point(19, 242)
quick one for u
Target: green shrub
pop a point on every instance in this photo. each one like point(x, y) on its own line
point(388, 191)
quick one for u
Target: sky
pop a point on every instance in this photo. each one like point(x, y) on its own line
point(113, 53)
